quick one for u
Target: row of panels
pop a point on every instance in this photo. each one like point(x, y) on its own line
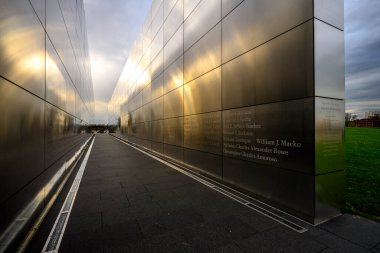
point(24, 43)
point(278, 134)
point(234, 88)
point(38, 143)
point(290, 153)
point(198, 17)
point(279, 70)
point(46, 98)
point(60, 90)
point(211, 33)
point(34, 135)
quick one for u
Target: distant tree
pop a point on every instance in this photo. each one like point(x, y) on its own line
point(349, 118)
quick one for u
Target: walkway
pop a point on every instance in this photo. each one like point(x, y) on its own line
point(129, 202)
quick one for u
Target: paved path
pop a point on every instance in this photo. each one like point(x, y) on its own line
point(129, 202)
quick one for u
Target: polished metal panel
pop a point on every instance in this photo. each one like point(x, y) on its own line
point(204, 132)
point(142, 132)
point(157, 20)
point(39, 7)
point(173, 131)
point(174, 48)
point(205, 162)
point(204, 55)
point(56, 78)
point(173, 22)
point(239, 81)
point(331, 12)
point(146, 143)
point(189, 6)
point(22, 46)
point(70, 98)
point(205, 16)
point(329, 192)
point(168, 5)
point(145, 61)
point(146, 94)
point(329, 135)
point(57, 129)
point(131, 119)
point(173, 152)
point(157, 65)
point(203, 94)
point(157, 44)
point(255, 22)
point(138, 100)
point(132, 104)
point(157, 131)
point(173, 76)
point(329, 61)
point(21, 138)
point(286, 189)
point(157, 89)
point(290, 57)
point(157, 108)
point(79, 106)
point(173, 103)
point(229, 5)
point(57, 32)
point(254, 118)
point(277, 134)
point(67, 7)
point(157, 147)
point(144, 79)
point(28, 200)
point(138, 132)
point(147, 112)
point(156, 4)
point(139, 115)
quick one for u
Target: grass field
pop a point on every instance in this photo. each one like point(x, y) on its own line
point(362, 149)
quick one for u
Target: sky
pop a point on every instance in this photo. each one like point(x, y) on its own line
point(113, 26)
point(362, 51)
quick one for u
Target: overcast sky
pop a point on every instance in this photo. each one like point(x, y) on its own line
point(113, 26)
point(362, 38)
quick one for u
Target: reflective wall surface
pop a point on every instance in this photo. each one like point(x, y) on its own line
point(45, 101)
point(249, 92)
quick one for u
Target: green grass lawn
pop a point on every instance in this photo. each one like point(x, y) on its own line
point(362, 149)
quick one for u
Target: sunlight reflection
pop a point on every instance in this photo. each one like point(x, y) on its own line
point(22, 50)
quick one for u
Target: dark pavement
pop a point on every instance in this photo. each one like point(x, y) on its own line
point(129, 202)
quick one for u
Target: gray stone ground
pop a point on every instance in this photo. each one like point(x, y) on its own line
point(128, 202)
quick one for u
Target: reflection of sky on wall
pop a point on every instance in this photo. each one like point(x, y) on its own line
point(101, 112)
point(362, 46)
point(112, 28)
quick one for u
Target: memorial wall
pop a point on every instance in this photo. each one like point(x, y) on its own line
point(46, 99)
point(249, 92)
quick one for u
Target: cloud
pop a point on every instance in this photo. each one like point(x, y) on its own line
point(101, 67)
point(362, 52)
point(364, 84)
point(112, 27)
point(101, 112)
point(360, 107)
